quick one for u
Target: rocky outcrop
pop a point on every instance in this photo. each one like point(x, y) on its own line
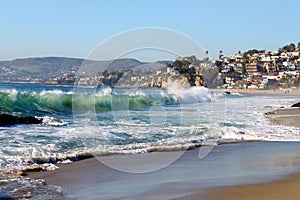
point(6, 120)
point(296, 105)
point(199, 81)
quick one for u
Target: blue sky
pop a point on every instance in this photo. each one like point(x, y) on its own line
point(73, 28)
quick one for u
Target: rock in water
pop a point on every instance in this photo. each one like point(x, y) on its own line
point(6, 119)
point(296, 105)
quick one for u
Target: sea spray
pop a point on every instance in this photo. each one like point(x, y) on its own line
point(191, 94)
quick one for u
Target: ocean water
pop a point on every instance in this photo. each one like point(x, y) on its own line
point(80, 121)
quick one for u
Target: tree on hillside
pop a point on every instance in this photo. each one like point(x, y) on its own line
point(298, 46)
point(181, 66)
point(252, 51)
point(219, 65)
point(288, 48)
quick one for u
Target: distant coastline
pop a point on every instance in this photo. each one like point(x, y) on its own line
point(253, 69)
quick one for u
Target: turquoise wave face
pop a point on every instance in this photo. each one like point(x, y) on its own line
point(65, 103)
point(35, 103)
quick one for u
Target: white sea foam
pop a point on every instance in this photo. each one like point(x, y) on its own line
point(104, 92)
point(190, 95)
point(54, 92)
point(236, 94)
point(136, 93)
point(14, 186)
point(12, 93)
point(51, 121)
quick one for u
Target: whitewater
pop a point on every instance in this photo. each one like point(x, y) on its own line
point(81, 120)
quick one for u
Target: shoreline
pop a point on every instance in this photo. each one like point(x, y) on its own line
point(186, 177)
point(287, 91)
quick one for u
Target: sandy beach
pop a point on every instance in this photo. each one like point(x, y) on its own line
point(251, 164)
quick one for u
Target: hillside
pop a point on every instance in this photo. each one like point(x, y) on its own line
point(41, 65)
point(48, 67)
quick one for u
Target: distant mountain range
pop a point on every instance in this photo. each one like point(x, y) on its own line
point(47, 67)
point(41, 65)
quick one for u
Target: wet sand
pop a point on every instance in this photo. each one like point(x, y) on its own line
point(212, 177)
point(287, 189)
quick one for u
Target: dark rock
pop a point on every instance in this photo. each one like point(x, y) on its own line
point(270, 113)
point(296, 105)
point(227, 92)
point(6, 120)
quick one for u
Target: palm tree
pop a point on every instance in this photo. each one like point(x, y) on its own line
point(220, 55)
point(206, 54)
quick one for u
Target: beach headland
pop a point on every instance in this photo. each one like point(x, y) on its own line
point(252, 163)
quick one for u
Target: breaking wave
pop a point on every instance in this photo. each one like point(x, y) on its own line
point(62, 103)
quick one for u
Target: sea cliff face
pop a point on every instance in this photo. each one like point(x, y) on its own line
point(184, 82)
